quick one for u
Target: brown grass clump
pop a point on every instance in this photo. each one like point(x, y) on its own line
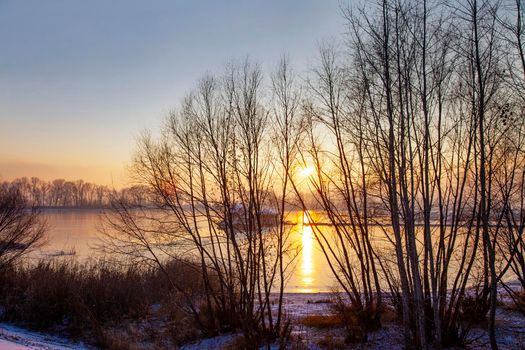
point(389, 315)
point(358, 321)
point(322, 321)
point(330, 343)
point(113, 341)
point(520, 301)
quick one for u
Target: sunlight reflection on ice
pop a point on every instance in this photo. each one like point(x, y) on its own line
point(307, 266)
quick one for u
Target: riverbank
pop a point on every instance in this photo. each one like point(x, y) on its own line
point(300, 308)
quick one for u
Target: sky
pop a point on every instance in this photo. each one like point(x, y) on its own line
point(81, 80)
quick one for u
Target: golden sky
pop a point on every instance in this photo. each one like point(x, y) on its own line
point(79, 80)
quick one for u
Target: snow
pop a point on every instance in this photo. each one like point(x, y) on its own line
point(510, 325)
point(215, 343)
point(15, 338)
point(7, 345)
point(510, 330)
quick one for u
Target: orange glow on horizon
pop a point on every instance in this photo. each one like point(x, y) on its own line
point(112, 175)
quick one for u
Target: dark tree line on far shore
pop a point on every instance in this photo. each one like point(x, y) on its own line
point(67, 194)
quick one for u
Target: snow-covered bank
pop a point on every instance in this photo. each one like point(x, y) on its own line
point(510, 331)
point(15, 338)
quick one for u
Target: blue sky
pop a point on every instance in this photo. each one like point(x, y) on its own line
point(79, 80)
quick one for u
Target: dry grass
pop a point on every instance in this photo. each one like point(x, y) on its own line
point(474, 310)
point(93, 301)
point(520, 301)
point(330, 343)
point(114, 341)
point(322, 321)
point(111, 306)
point(358, 321)
point(389, 315)
point(73, 295)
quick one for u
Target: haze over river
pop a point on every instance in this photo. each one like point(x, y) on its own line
point(77, 230)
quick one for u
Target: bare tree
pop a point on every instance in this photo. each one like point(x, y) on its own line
point(340, 187)
point(21, 229)
point(215, 196)
point(288, 134)
point(404, 120)
point(510, 179)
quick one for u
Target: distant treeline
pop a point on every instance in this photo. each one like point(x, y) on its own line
point(62, 193)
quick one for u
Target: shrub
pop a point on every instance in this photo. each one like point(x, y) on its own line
point(358, 321)
point(474, 309)
point(520, 301)
point(71, 295)
point(85, 300)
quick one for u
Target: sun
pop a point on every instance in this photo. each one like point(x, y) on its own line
point(306, 172)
